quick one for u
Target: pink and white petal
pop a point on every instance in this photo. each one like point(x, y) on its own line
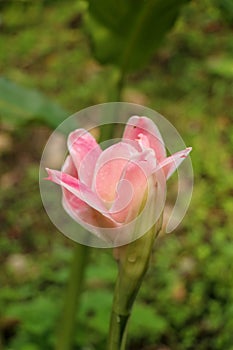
point(73, 205)
point(69, 167)
point(109, 168)
point(82, 144)
point(145, 126)
point(170, 164)
point(85, 215)
point(80, 211)
point(133, 184)
point(123, 200)
point(79, 190)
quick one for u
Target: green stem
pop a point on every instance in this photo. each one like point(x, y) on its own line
point(118, 331)
point(133, 260)
point(72, 296)
point(114, 95)
point(119, 86)
point(1, 341)
point(116, 86)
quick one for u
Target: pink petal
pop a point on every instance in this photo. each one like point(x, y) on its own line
point(145, 126)
point(170, 164)
point(109, 168)
point(79, 210)
point(80, 191)
point(75, 207)
point(133, 184)
point(88, 217)
point(69, 167)
point(84, 151)
point(124, 196)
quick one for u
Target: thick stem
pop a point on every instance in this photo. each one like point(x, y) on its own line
point(72, 296)
point(133, 260)
point(118, 331)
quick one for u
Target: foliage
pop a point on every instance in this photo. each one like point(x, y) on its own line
point(226, 7)
point(187, 297)
point(221, 66)
point(127, 33)
point(19, 106)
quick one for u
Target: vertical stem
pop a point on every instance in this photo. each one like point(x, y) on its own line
point(72, 296)
point(119, 86)
point(133, 262)
point(1, 341)
point(118, 331)
point(114, 95)
point(116, 86)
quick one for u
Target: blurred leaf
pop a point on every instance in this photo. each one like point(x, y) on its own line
point(146, 321)
point(95, 313)
point(19, 105)
point(226, 9)
point(126, 33)
point(38, 318)
point(95, 309)
point(104, 271)
point(222, 66)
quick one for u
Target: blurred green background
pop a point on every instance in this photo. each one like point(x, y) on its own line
point(186, 301)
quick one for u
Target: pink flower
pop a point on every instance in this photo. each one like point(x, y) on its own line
point(106, 190)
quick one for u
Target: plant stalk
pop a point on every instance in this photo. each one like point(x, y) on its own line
point(114, 95)
point(133, 261)
point(1, 341)
point(72, 297)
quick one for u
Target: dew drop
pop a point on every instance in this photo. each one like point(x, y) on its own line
point(132, 258)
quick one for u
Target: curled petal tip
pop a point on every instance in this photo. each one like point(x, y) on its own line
point(188, 150)
point(49, 177)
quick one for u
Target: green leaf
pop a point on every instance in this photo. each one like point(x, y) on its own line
point(221, 66)
point(146, 321)
point(127, 32)
point(19, 105)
